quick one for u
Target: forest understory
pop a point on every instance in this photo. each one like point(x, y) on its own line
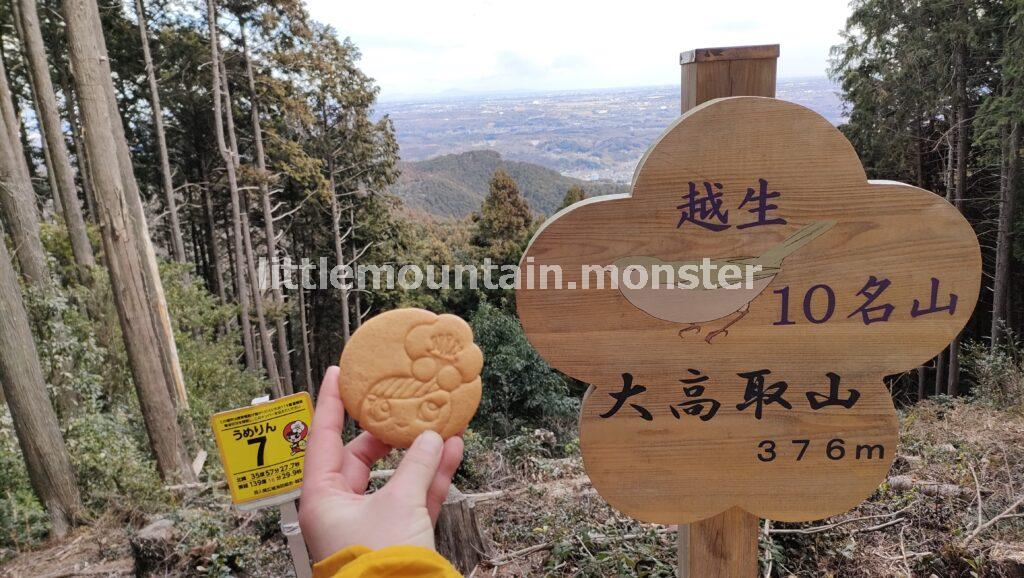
point(945, 511)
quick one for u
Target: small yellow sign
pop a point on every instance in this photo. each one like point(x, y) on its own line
point(263, 446)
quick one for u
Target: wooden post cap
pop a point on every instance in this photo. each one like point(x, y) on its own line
point(709, 73)
point(757, 52)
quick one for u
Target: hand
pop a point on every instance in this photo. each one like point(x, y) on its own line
point(334, 511)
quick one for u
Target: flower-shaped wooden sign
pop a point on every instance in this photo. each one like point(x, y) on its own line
point(736, 315)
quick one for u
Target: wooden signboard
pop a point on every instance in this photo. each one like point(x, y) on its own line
point(752, 381)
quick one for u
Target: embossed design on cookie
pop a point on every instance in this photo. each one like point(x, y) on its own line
point(409, 370)
point(405, 404)
point(444, 350)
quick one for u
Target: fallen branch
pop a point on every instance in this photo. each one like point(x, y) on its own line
point(595, 538)
point(483, 496)
point(104, 570)
point(881, 526)
point(473, 498)
point(604, 539)
point(907, 556)
point(977, 487)
point(903, 551)
point(519, 553)
point(928, 488)
point(834, 525)
point(1007, 513)
point(196, 486)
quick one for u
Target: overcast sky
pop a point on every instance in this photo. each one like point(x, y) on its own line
point(431, 47)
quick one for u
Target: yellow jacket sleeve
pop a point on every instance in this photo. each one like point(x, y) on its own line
point(397, 561)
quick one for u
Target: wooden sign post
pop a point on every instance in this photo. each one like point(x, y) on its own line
point(736, 313)
point(263, 450)
point(726, 544)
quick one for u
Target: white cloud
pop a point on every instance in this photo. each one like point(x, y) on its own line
point(430, 47)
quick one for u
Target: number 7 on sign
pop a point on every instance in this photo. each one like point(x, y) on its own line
point(262, 441)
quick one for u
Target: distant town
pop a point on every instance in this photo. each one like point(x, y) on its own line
point(586, 134)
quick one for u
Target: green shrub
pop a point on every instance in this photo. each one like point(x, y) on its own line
point(22, 518)
point(997, 373)
point(525, 446)
point(477, 467)
point(111, 461)
point(519, 388)
point(72, 359)
point(23, 521)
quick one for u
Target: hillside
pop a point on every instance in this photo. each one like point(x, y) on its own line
point(454, 185)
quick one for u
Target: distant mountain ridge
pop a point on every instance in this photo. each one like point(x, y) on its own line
point(454, 185)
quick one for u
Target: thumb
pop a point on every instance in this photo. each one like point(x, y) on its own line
point(414, 475)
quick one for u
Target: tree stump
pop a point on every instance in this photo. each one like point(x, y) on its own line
point(153, 546)
point(458, 535)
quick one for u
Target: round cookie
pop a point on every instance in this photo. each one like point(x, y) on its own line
point(409, 370)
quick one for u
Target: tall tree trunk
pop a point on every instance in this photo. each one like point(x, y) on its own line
point(922, 371)
point(14, 124)
point(283, 355)
point(307, 369)
point(154, 285)
point(35, 423)
point(261, 320)
point(229, 114)
point(232, 270)
point(953, 385)
point(266, 348)
point(339, 254)
point(960, 100)
point(241, 289)
point(339, 237)
point(941, 363)
point(314, 343)
point(51, 180)
point(211, 238)
point(199, 249)
point(357, 301)
point(124, 246)
point(177, 244)
point(76, 138)
point(53, 135)
point(17, 198)
point(1004, 236)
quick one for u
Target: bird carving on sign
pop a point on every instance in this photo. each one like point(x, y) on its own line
point(708, 302)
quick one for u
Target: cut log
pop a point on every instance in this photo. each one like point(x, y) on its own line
point(929, 488)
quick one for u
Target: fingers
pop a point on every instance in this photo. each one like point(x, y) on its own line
point(414, 475)
point(325, 450)
point(360, 455)
point(451, 457)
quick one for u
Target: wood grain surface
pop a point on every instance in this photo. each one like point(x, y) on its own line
point(754, 52)
point(724, 546)
point(888, 239)
point(709, 73)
